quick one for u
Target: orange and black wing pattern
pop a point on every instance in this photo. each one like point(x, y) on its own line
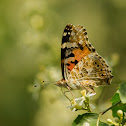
point(74, 47)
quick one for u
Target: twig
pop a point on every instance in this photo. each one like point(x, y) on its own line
point(111, 107)
point(101, 113)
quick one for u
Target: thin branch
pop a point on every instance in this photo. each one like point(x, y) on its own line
point(111, 107)
point(101, 113)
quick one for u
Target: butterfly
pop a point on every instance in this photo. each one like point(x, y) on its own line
point(82, 67)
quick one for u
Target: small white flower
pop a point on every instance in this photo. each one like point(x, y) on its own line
point(74, 109)
point(82, 102)
point(90, 95)
point(92, 106)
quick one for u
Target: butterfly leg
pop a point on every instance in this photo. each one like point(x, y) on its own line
point(90, 90)
point(71, 92)
point(64, 93)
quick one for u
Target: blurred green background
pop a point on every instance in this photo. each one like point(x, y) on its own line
point(30, 42)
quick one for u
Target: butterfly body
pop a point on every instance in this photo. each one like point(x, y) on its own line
point(82, 67)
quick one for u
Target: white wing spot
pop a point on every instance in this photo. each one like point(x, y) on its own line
point(80, 42)
point(68, 33)
point(65, 33)
point(63, 45)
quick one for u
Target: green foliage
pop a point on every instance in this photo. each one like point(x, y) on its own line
point(118, 108)
point(87, 119)
point(119, 95)
point(122, 92)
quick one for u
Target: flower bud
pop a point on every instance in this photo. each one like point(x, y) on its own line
point(109, 121)
point(120, 113)
point(117, 119)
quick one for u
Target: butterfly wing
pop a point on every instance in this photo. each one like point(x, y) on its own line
point(65, 49)
point(79, 60)
point(74, 47)
point(92, 70)
point(87, 66)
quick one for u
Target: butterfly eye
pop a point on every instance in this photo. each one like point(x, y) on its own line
point(97, 65)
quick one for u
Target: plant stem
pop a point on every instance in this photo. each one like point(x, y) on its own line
point(101, 113)
point(111, 107)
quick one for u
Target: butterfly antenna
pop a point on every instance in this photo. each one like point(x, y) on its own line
point(45, 83)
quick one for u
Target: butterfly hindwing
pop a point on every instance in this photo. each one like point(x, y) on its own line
point(92, 70)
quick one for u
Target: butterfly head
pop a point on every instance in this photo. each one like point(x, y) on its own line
point(62, 83)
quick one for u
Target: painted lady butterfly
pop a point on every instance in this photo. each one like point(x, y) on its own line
point(82, 67)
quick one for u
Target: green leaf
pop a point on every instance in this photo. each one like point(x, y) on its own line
point(115, 98)
point(120, 106)
point(122, 92)
point(87, 118)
